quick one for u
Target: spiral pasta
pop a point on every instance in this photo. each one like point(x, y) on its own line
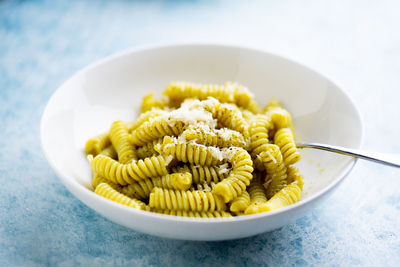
point(185, 200)
point(143, 188)
point(194, 214)
point(147, 150)
point(227, 115)
point(109, 152)
point(124, 174)
point(201, 151)
point(98, 179)
point(105, 190)
point(276, 177)
point(205, 174)
point(240, 203)
point(257, 197)
point(155, 129)
point(285, 140)
point(155, 112)
point(178, 91)
point(238, 179)
point(259, 134)
point(189, 152)
point(259, 141)
point(97, 143)
point(220, 138)
point(204, 187)
point(279, 116)
point(149, 102)
point(286, 196)
point(120, 139)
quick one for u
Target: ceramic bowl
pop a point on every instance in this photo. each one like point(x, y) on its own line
point(112, 89)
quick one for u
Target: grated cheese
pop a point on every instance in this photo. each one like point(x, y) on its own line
point(224, 168)
point(190, 113)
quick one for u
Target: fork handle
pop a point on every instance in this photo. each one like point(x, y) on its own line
point(383, 158)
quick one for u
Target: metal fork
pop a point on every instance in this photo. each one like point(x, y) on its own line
point(383, 158)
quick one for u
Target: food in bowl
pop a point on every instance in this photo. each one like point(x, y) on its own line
point(201, 151)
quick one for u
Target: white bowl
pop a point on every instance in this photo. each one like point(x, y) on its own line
point(112, 89)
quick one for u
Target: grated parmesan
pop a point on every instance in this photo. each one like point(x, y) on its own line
point(224, 168)
point(190, 113)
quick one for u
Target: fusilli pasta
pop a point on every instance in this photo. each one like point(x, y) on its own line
point(203, 151)
point(185, 200)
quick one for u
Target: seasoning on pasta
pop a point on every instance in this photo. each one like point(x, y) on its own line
point(201, 151)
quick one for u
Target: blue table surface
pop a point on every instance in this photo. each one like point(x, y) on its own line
point(42, 43)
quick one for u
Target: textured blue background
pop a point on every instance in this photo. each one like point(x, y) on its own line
point(42, 43)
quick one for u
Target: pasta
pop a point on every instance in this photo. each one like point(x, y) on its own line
point(109, 152)
point(144, 117)
point(142, 189)
point(105, 190)
point(149, 102)
point(190, 152)
point(129, 173)
point(148, 150)
point(210, 137)
point(96, 144)
point(241, 202)
point(203, 151)
point(185, 200)
point(257, 197)
point(178, 91)
point(286, 196)
point(204, 174)
point(285, 140)
point(195, 214)
point(155, 129)
point(238, 179)
point(120, 139)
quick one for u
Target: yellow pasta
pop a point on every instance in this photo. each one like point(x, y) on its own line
point(253, 107)
point(279, 116)
point(239, 178)
point(143, 188)
point(149, 102)
point(185, 200)
point(120, 139)
point(241, 202)
point(204, 187)
point(286, 196)
point(211, 137)
point(294, 175)
point(155, 129)
point(148, 150)
point(285, 140)
point(107, 191)
point(190, 152)
point(194, 214)
point(96, 144)
point(178, 91)
point(257, 197)
point(133, 125)
point(109, 152)
point(227, 115)
point(124, 174)
point(202, 151)
point(98, 179)
point(205, 174)
point(258, 130)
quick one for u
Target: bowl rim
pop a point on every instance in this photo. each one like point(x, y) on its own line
point(71, 183)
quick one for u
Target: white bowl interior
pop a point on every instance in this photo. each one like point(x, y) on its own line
point(112, 89)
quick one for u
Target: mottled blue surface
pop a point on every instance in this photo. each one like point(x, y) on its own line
point(42, 43)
